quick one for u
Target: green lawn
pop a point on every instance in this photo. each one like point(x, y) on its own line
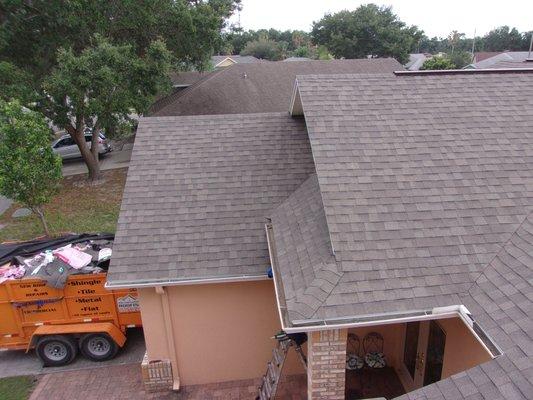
point(16, 388)
point(77, 208)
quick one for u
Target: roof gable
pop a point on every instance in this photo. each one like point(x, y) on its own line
point(423, 178)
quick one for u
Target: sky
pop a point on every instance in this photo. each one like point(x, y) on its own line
point(435, 18)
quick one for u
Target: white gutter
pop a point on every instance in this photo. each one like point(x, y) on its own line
point(469, 322)
point(271, 254)
point(169, 332)
point(182, 282)
point(376, 320)
point(436, 313)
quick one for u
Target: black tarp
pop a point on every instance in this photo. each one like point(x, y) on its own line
point(29, 248)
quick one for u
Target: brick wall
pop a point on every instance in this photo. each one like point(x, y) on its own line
point(156, 375)
point(326, 365)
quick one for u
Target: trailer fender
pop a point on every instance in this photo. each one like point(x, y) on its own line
point(78, 329)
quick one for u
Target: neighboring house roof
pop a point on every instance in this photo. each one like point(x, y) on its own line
point(289, 59)
point(236, 59)
point(416, 61)
point(505, 56)
point(422, 177)
point(187, 78)
point(483, 55)
point(197, 194)
point(512, 65)
point(260, 87)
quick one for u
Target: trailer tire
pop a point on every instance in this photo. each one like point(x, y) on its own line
point(98, 346)
point(56, 350)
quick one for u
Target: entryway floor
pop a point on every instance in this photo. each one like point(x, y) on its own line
point(373, 383)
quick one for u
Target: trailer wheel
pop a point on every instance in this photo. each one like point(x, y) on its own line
point(98, 346)
point(56, 350)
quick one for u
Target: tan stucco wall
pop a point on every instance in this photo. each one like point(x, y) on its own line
point(392, 339)
point(221, 331)
point(462, 350)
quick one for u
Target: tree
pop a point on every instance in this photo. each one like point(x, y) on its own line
point(29, 171)
point(437, 62)
point(235, 40)
point(460, 58)
point(368, 31)
point(263, 48)
point(504, 38)
point(38, 36)
point(454, 38)
point(101, 87)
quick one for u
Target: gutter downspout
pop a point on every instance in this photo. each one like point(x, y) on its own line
point(169, 332)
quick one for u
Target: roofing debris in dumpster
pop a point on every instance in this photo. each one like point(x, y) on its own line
point(54, 260)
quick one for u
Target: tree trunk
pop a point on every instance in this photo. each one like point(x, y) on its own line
point(88, 157)
point(40, 214)
point(94, 141)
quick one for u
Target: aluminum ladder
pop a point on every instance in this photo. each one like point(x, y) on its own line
point(270, 381)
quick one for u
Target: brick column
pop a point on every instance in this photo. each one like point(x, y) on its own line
point(326, 367)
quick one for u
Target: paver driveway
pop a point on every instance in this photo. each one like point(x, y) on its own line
point(121, 382)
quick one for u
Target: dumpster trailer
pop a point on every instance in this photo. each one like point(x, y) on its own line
point(83, 317)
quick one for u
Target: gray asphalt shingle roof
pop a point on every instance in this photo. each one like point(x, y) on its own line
point(512, 56)
point(259, 87)
point(197, 194)
point(501, 300)
point(302, 239)
point(422, 178)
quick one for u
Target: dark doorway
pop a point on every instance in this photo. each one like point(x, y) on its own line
point(411, 346)
point(435, 354)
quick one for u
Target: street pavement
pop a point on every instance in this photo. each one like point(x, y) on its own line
point(115, 159)
point(17, 362)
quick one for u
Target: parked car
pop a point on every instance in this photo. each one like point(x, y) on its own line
point(67, 148)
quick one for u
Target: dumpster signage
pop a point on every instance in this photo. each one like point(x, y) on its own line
point(26, 304)
point(128, 304)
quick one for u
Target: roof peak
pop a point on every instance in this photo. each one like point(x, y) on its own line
point(465, 71)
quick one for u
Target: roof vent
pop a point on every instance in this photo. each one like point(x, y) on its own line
point(245, 75)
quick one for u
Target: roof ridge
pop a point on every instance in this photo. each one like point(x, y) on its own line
point(465, 71)
point(180, 93)
point(500, 251)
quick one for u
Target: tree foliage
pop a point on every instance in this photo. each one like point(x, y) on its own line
point(370, 30)
point(101, 87)
point(29, 171)
point(460, 58)
point(499, 39)
point(43, 38)
point(263, 48)
point(235, 40)
point(505, 38)
point(438, 62)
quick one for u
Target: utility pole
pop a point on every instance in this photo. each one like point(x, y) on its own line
point(473, 45)
point(530, 46)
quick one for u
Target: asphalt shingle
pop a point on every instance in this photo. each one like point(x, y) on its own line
point(258, 87)
point(422, 177)
point(198, 192)
point(506, 317)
